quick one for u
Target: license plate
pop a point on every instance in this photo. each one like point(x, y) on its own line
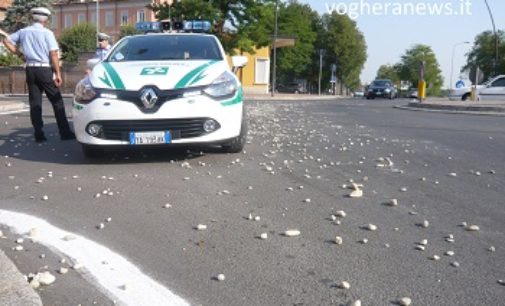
point(147, 138)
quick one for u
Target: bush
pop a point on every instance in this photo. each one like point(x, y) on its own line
point(80, 38)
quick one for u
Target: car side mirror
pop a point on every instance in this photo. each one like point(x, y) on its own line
point(238, 61)
point(92, 63)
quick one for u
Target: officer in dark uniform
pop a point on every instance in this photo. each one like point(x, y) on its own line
point(40, 51)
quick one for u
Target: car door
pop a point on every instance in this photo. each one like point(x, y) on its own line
point(494, 91)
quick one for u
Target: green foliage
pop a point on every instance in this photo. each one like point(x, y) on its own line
point(298, 21)
point(345, 45)
point(80, 38)
point(18, 14)
point(8, 59)
point(388, 72)
point(408, 68)
point(482, 54)
point(239, 24)
point(128, 30)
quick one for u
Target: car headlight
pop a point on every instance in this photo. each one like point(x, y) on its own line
point(224, 85)
point(84, 91)
point(387, 90)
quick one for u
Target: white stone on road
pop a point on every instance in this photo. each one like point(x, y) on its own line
point(201, 227)
point(338, 240)
point(405, 301)
point(344, 285)
point(371, 227)
point(264, 236)
point(221, 277)
point(356, 194)
point(473, 228)
point(292, 233)
point(45, 278)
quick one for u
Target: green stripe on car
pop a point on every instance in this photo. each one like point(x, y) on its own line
point(235, 100)
point(193, 75)
point(116, 80)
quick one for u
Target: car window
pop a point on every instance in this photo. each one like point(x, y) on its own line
point(166, 47)
point(499, 83)
point(380, 83)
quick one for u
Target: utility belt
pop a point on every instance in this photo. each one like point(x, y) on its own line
point(38, 65)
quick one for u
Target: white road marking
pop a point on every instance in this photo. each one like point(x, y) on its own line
point(120, 278)
point(15, 111)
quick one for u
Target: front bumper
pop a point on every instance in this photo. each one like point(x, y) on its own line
point(183, 117)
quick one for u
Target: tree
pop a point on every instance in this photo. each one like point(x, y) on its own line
point(411, 62)
point(296, 20)
point(18, 14)
point(239, 24)
point(482, 54)
point(80, 38)
point(388, 72)
point(128, 30)
point(345, 45)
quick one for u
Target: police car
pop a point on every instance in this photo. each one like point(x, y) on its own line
point(162, 89)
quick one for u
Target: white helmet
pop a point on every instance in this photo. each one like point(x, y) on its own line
point(40, 13)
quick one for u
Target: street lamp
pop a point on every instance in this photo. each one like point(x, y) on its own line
point(495, 63)
point(274, 69)
point(452, 59)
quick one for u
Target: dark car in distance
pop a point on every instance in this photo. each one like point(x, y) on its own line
point(291, 88)
point(381, 89)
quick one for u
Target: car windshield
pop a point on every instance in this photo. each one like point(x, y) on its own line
point(380, 83)
point(166, 47)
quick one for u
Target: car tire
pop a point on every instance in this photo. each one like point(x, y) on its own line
point(236, 145)
point(92, 151)
point(465, 97)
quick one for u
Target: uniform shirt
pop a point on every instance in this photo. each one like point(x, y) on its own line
point(36, 42)
point(102, 53)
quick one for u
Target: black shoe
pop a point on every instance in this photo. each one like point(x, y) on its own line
point(40, 137)
point(67, 136)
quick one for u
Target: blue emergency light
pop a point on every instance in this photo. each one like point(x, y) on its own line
point(196, 26)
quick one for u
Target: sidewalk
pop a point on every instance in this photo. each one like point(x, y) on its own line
point(14, 289)
point(496, 108)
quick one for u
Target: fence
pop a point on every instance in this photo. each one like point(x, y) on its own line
point(13, 79)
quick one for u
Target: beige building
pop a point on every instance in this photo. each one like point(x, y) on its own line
point(112, 14)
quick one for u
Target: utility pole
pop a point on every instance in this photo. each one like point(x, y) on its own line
point(321, 52)
point(495, 62)
point(97, 19)
point(274, 68)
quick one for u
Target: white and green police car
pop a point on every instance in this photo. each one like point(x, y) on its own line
point(161, 89)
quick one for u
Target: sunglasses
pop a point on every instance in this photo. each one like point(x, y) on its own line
point(102, 39)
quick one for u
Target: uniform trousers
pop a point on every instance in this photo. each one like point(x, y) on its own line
point(40, 80)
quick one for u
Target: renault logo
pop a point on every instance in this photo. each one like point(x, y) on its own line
point(148, 97)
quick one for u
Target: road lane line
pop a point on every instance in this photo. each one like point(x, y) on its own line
point(14, 112)
point(113, 276)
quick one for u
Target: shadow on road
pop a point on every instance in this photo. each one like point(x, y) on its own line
point(20, 144)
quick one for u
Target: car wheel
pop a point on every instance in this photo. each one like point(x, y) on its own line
point(92, 151)
point(236, 145)
point(465, 97)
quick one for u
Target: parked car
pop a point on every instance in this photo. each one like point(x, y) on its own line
point(359, 94)
point(293, 87)
point(464, 93)
point(161, 89)
point(381, 88)
point(494, 89)
point(414, 94)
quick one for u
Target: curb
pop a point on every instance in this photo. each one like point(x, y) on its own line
point(457, 107)
point(293, 98)
point(14, 289)
point(447, 110)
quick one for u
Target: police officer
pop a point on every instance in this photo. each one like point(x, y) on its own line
point(103, 46)
point(40, 51)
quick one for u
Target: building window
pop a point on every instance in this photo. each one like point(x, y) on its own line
point(81, 18)
point(68, 21)
point(141, 17)
point(109, 19)
point(124, 18)
point(93, 18)
point(262, 71)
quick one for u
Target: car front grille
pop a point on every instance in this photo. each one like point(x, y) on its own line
point(179, 128)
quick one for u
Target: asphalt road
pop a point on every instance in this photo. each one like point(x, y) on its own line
point(447, 169)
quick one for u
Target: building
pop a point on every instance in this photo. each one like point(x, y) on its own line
point(112, 14)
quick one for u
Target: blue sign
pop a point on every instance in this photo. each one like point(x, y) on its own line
point(460, 84)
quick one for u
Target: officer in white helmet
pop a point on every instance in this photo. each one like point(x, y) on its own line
point(40, 52)
point(103, 46)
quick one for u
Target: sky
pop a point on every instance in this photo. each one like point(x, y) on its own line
point(389, 36)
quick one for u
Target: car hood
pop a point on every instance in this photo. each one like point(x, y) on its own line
point(163, 74)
